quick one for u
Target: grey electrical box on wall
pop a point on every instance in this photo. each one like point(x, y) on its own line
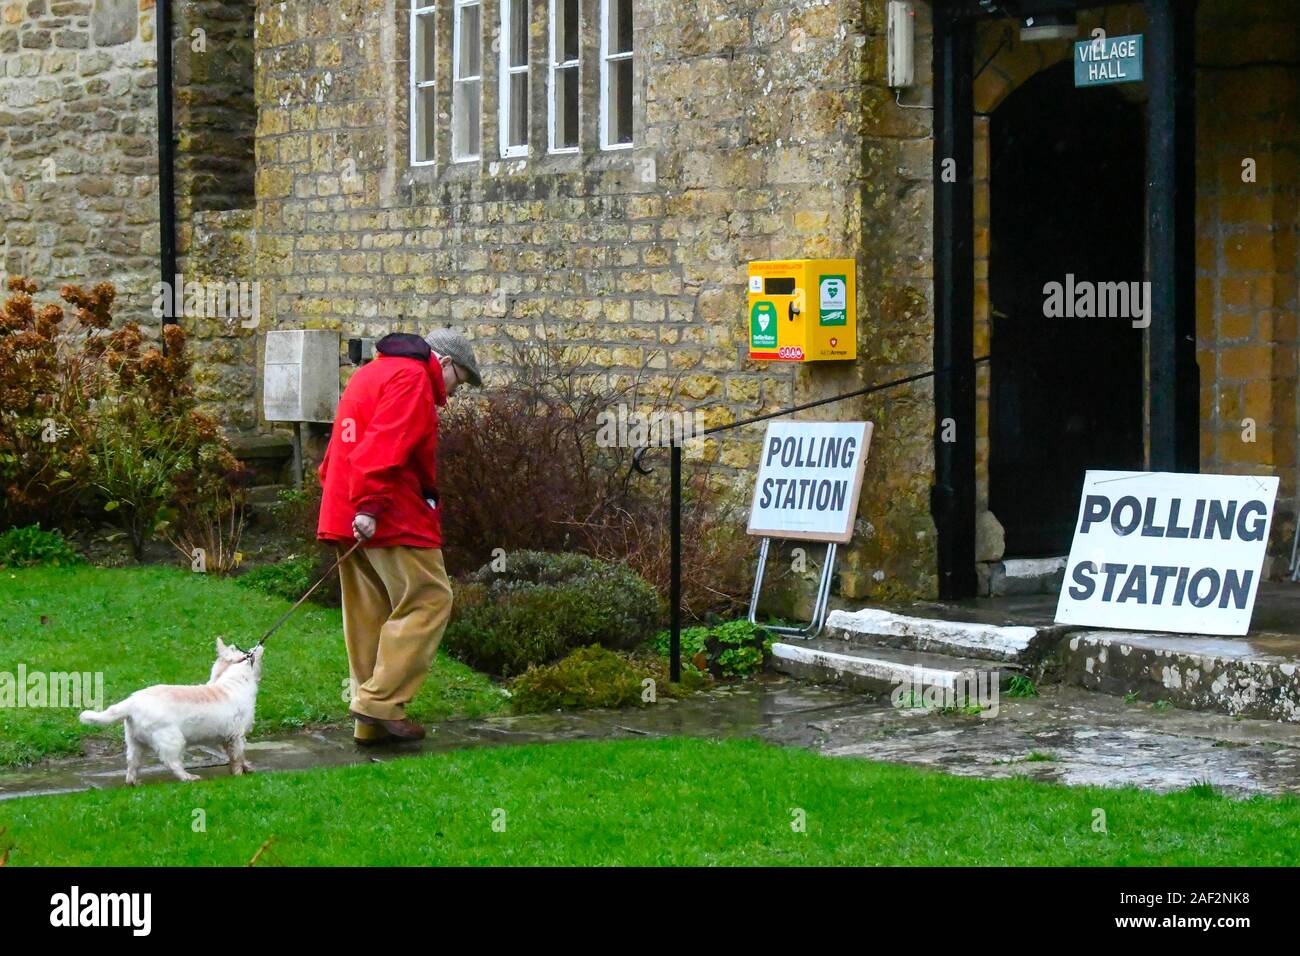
point(900, 23)
point(300, 377)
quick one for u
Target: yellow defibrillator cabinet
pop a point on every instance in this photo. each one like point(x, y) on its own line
point(803, 310)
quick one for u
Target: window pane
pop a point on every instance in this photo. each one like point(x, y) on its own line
point(469, 37)
point(424, 126)
point(465, 116)
point(566, 107)
point(518, 132)
point(475, 95)
point(620, 98)
point(620, 26)
point(519, 33)
point(424, 47)
point(566, 44)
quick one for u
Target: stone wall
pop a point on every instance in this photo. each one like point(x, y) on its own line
point(78, 147)
point(763, 130)
point(1247, 258)
point(215, 119)
point(79, 161)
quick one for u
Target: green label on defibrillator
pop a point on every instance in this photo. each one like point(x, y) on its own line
point(762, 326)
point(834, 300)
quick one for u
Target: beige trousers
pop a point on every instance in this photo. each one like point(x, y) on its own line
point(396, 603)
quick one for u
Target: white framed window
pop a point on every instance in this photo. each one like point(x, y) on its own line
point(514, 77)
point(615, 74)
point(513, 101)
point(423, 47)
point(466, 80)
point(562, 91)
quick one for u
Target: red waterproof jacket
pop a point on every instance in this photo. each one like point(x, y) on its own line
point(381, 458)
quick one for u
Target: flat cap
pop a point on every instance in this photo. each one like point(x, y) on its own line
point(456, 347)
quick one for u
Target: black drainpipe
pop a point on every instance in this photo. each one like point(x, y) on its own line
point(166, 159)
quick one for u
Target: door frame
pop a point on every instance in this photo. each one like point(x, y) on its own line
point(1172, 376)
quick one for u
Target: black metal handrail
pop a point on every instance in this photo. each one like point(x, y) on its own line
point(675, 493)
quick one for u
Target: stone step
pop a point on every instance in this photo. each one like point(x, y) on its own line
point(1013, 576)
point(266, 456)
point(1255, 676)
point(265, 497)
point(261, 447)
point(881, 669)
point(942, 629)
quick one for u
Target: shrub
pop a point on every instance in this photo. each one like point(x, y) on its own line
point(519, 467)
point(542, 605)
point(596, 677)
point(23, 547)
point(95, 424)
point(717, 554)
point(733, 649)
point(297, 510)
point(41, 465)
point(522, 468)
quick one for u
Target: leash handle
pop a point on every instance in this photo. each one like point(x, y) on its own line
point(285, 616)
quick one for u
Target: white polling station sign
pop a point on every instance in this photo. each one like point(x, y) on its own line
point(809, 479)
point(1167, 552)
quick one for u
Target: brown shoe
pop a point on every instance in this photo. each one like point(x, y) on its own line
point(403, 729)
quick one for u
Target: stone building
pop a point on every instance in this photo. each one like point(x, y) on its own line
point(600, 172)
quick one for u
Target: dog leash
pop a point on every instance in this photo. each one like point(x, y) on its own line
point(285, 616)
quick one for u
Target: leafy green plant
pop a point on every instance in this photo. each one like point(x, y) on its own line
point(1131, 697)
point(734, 649)
point(693, 639)
point(596, 677)
point(24, 547)
point(1021, 686)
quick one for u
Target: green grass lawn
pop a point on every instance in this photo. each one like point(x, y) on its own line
point(642, 802)
point(152, 625)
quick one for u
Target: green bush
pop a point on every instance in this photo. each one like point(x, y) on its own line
point(734, 649)
point(24, 547)
point(289, 578)
point(596, 677)
point(543, 605)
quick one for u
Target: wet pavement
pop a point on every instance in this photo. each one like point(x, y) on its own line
point(1067, 735)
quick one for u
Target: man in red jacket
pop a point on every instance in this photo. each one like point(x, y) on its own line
point(379, 486)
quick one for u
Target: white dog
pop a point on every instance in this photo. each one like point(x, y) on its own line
point(167, 718)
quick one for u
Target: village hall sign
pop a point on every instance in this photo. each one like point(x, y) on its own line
point(1105, 60)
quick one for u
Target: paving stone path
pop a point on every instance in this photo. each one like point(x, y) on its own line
point(1088, 738)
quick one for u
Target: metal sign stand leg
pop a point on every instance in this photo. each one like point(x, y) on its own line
point(820, 604)
point(1295, 552)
